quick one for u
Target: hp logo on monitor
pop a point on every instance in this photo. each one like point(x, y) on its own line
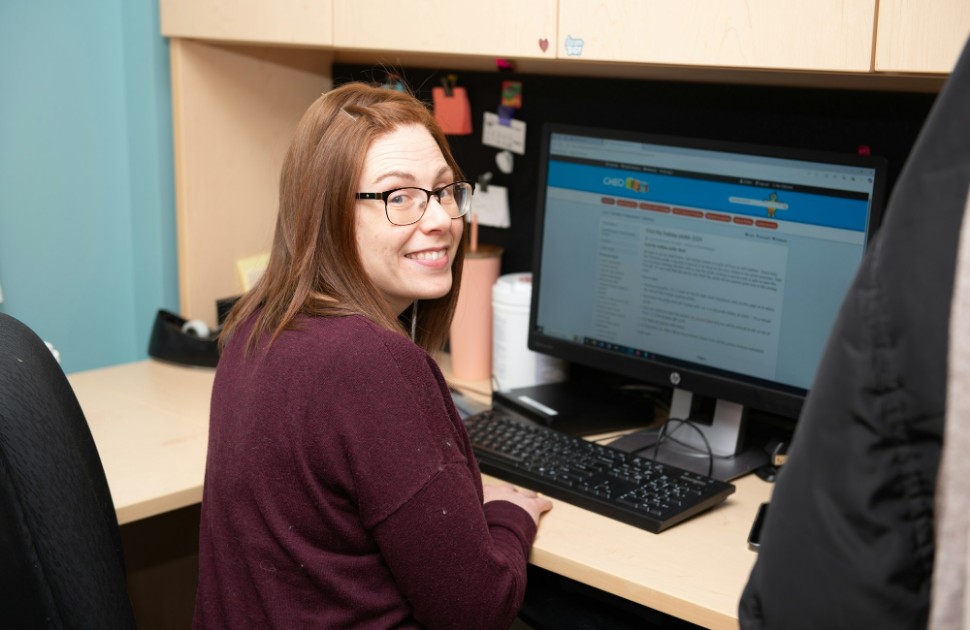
point(675, 378)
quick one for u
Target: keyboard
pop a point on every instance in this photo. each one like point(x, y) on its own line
point(635, 490)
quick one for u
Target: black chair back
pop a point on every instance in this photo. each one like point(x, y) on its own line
point(61, 563)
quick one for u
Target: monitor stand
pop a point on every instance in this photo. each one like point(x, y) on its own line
point(721, 453)
point(581, 406)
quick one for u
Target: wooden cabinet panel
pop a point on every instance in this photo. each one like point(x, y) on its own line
point(830, 35)
point(501, 28)
point(914, 36)
point(296, 22)
point(233, 116)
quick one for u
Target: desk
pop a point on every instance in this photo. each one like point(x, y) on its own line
point(150, 422)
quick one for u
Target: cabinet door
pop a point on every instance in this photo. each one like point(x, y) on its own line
point(504, 28)
point(296, 22)
point(915, 36)
point(234, 109)
point(831, 35)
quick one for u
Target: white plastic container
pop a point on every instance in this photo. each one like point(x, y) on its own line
point(513, 364)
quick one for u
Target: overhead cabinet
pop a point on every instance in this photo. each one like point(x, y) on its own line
point(823, 35)
point(509, 28)
point(921, 37)
point(288, 22)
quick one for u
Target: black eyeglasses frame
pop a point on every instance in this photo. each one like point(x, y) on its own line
point(383, 196)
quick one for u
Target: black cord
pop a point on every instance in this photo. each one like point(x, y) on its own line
point(664, 436)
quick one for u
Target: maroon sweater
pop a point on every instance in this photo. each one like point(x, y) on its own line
point(341, 492)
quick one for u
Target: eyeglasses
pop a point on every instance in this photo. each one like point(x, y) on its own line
point(405, 206)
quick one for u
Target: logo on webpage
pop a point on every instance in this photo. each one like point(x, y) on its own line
point(629, 183)
point(636, 185)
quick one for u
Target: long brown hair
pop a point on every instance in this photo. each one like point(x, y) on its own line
point(314, 267)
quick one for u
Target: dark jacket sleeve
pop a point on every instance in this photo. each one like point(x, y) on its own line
point(848, 542)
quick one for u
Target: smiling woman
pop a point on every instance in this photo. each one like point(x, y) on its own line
point(341, 490)
point(411, 261)
point(352, 140)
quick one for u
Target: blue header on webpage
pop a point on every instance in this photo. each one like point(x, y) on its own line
point(754, 201)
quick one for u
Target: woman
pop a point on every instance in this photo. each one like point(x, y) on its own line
point(341, 490)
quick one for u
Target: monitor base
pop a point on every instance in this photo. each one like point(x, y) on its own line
point(724, 468)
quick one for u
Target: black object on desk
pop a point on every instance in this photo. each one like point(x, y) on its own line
point(466, 406)
point(753, 457)
point(169, 342)
point(635, 490)
point(754, 536)
point(582, 406)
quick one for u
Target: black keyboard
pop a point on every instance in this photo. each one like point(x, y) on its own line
point(632, 489)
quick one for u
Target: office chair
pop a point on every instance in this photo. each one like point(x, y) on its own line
point(61, 563)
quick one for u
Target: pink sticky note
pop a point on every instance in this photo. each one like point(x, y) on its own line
point(453, 113)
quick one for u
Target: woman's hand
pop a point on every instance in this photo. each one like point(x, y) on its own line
point(528, 500)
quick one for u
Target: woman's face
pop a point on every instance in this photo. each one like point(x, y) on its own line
point(406, 262)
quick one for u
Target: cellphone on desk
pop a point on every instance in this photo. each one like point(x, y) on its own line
point(754, 536)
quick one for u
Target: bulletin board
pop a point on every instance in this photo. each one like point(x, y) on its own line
point(809, 118)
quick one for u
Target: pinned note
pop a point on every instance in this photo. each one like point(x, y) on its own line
point(512, 94)
point(453, 112)
point(251, 269)
point(491, 206)
point(510, 137)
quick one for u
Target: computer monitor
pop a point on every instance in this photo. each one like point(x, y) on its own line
point(709, 267)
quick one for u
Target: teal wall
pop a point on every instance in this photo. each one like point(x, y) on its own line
point(87, 218)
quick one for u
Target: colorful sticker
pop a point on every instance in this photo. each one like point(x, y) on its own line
point(574, 46)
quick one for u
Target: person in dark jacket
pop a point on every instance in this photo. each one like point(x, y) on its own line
point(849, 537)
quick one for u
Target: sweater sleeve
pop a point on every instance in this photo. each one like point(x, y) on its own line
point(459, 565)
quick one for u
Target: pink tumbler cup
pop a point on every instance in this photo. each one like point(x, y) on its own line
point(471, 328)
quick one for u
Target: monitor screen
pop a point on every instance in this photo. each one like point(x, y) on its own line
point(710, 267)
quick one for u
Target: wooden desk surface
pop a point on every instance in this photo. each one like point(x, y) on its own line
point(693, 571)
point(150, 422)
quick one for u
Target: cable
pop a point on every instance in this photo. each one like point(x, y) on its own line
point(663, 435)
point(414, 321)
